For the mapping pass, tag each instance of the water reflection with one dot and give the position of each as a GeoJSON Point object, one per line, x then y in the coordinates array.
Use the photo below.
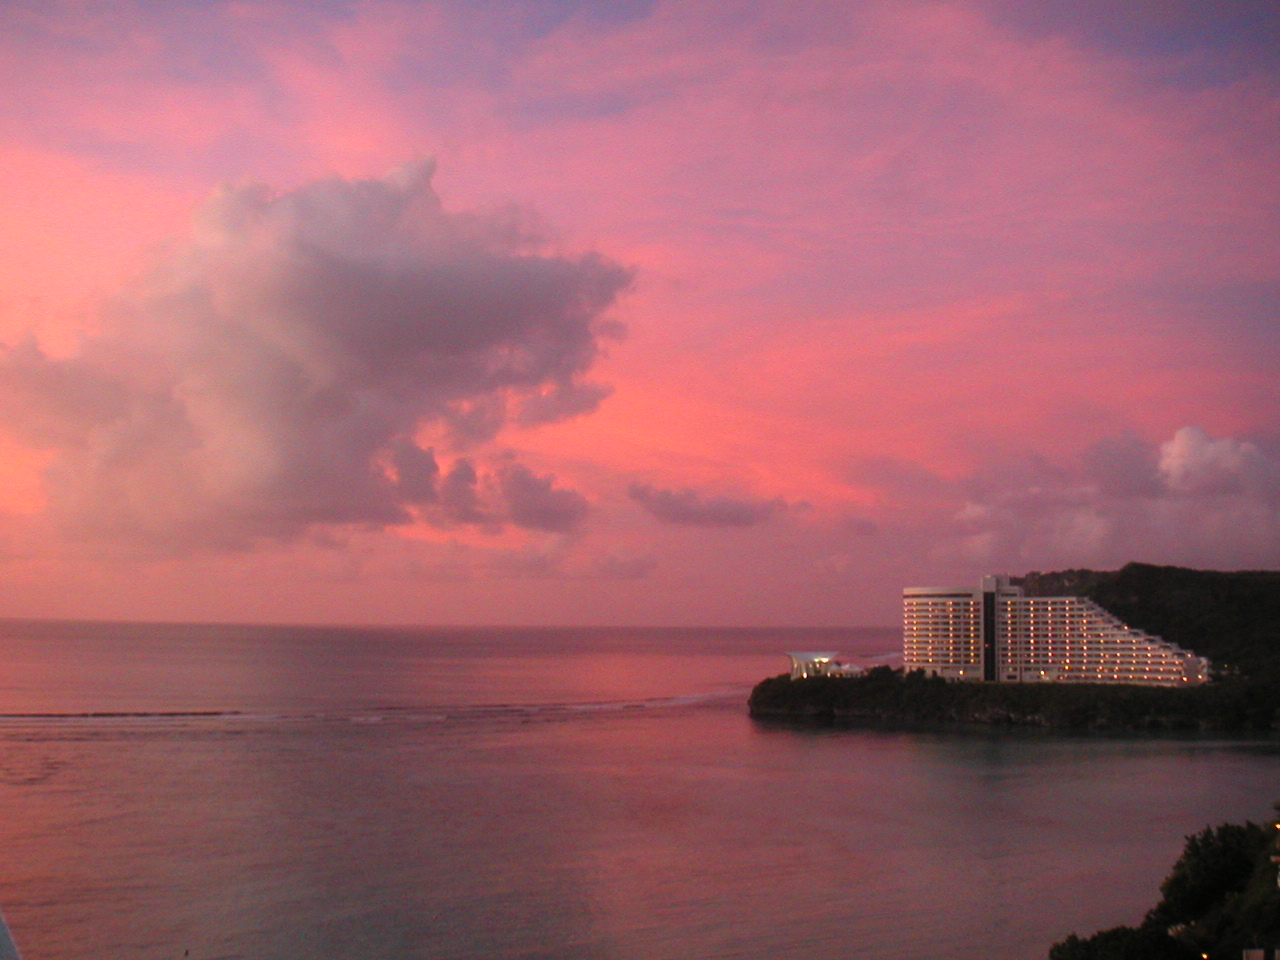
{"type": "Point", "coordinates": [351, 826]}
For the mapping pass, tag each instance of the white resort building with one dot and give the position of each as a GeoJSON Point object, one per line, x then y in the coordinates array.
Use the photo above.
{"type": "Point", "coordinates": [820, 664]}
{"type": "Point", "coordinates": [996, 633]}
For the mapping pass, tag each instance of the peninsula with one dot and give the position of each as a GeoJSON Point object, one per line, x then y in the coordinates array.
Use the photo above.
{"type": "Point", "coordinates": [1232, 619]}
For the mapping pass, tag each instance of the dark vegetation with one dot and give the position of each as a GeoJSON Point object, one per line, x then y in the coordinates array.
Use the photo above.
{"type": "Point", "coordinates": [1232, 618]}
{"type": "Point", "coordinates": [884, 696]}
{"type": "Point", "coordinates": [1220, 899]}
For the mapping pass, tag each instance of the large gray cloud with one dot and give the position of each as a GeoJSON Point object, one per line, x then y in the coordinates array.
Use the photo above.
{"type": "Point", "coordinates": [1192, 499]}
{"type": "Point", "coordinates": [691, 508]}
{"type": "Point", "coordinates": [272, 373]}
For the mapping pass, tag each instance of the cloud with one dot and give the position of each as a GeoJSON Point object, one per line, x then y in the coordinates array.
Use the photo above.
{"type": "Point", "coordinates": [857, 526]}
{"type": "Point", "coordinates": [1123, 466]}
{"type": "Point", "coordinates": [902, 477]}
{"type": "Point", "coordinates": [1192, 499]}
{"type": "Point", "coordinates": [460, 497]}
{"type": "Point", "coordinates": [690, 508]}
{"type": "Point", "coordinates": [274, 372]}
{"type": "Point", "coordinates": [50, 403]}
{"type": "Point", "coordinates": [416, 472]}
{"type": "Point", "coordinates": [1194, 463]}
{"type": "Point", "coordinates": [621, 565]}
{"type": "Point", "coordinates": [536, 503]}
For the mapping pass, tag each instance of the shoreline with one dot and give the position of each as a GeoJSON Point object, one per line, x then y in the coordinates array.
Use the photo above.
{"type": "Point", "coordinates": [1025, 731]}
{"type": "Point", "coordinates": [887, 699]}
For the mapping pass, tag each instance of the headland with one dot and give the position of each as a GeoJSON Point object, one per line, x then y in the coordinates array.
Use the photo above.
{"type": "Point", "coordinates": [889, 698]}
{"type": "Point", "coordinates": [1232, 618]}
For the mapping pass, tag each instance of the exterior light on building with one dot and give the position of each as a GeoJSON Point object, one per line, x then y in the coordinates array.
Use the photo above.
{"type": "Point", "coordinates": [1025, 637]}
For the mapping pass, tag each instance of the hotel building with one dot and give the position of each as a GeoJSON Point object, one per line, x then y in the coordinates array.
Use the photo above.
{"type": "Point", "coordinates": [996, 633]}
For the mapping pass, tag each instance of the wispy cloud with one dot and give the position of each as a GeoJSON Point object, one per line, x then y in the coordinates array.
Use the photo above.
{"type": "Point", "coordinates": [689, 508]}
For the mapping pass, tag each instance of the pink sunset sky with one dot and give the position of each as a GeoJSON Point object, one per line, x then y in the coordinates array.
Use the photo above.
{"type": "Point", "coordinates": [571, 312]}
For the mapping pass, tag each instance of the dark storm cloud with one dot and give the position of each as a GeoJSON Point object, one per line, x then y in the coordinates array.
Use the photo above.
{"type": "Point", "coordinates": [690, 508]}
{"type": "Point", "coordinates": [272, 373]}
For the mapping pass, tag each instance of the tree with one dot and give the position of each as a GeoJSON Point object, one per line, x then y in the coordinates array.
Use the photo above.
{"type": "Point", "coordinates": [1215, 863]}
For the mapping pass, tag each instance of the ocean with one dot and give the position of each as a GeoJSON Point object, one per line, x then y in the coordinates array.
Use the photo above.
{"type": "Point", "coordinates": [219, 792]}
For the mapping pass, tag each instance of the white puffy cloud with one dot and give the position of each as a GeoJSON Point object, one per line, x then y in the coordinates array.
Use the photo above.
{"type": "Point", "coordinates": [1192, 462]}
{"type": "Point", "coordinates": [274, 371]}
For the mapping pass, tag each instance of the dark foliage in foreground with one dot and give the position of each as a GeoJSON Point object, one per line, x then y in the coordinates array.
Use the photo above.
{"type": "Point", "coordinates": [1220, 898]}
{"type": "Point", "coordinates": [1123, 943]}
{"type": "Point", "coordinates": [886, 696]}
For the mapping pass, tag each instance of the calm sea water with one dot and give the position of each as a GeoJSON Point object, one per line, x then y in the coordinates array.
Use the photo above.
{"type": "Point", "coordinates": [275, 793]}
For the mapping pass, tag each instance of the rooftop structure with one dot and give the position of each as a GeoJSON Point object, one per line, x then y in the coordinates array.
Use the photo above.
{"type": "Point", "coordinates": [996, 633]}
{"type": "Point", "coordinates": [821, 664]}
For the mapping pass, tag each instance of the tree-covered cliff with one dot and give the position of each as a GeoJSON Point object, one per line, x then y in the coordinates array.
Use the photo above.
{"type": "Point", "coordinates": [888, 697]}
{"type": "Point", "coordinates": [1233, 618]}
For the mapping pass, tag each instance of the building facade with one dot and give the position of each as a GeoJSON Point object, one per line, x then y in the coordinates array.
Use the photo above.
{"type": "Point", "coordinates": [821, 664]}
{"type": "Point", "coordinates": [996, 633]}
